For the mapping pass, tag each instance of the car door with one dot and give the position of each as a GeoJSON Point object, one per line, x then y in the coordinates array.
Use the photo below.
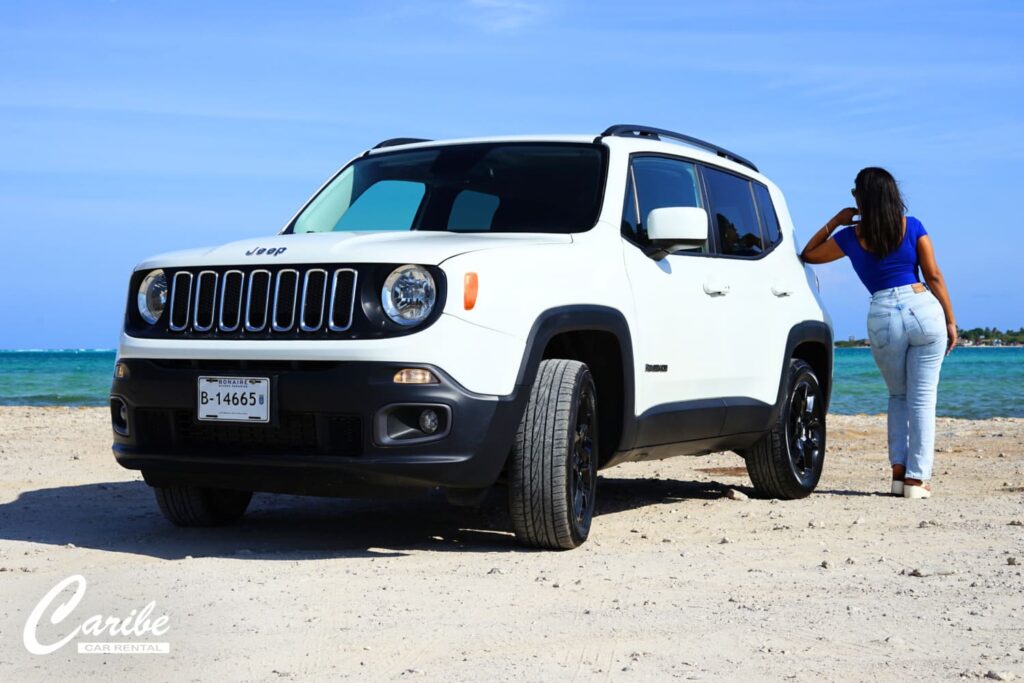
{"type": "Point", "coordinates": [785, 284]}
{"type": "Point", "coordinates": [680, 312]}
{"type": "Point", "coordinates": [751, 305]}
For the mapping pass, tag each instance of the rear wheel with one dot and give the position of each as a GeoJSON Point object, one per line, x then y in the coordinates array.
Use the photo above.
{"type": "Point", "coordinates": [552, 478]}
{"type": "Point", "coordinates": [200, 506]}
{"type": "Point", "coordinates": [787, 462]}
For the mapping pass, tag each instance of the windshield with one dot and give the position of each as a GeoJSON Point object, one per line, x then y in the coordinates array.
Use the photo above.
{"type": "Point", "coordinates": [496, 187]}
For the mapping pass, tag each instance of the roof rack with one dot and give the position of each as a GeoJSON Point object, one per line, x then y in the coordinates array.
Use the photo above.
{"type": "Point", "coordinates": [394, 142]}
{"type": "Point", "coordinates": [626, 130]}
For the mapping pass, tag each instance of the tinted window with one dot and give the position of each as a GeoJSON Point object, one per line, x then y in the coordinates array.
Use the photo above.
{"type": "Point", "coordinates": [387, 205]}
{"type": "Point", "coordinates": [733, 214]}
{"type": "Point", "coordinates": [769, 219]}
{"type": "Point", "coordinates": [472, 211]}
{"type": "Point", "coordinates": [662, 182]}
{"type": "Point", "coordinates": [501, 187]}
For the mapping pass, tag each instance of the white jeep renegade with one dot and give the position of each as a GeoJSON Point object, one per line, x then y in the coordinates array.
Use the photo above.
{"type": "Point", "coordinates": [455, 314]}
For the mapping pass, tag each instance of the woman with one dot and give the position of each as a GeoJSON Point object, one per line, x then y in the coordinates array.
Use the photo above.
{"type": "Point", "coordinates": [911, 327]}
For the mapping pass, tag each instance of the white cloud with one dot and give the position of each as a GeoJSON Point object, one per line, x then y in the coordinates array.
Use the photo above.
{"type": "Point", "coordinates": [501, 16]}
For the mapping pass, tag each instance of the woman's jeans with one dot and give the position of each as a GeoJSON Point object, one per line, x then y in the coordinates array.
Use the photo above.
{"type": "Point", "coordinates": [908, 340]}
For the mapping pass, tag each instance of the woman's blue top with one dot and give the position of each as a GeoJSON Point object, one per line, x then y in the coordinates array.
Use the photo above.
{"type": "Point", "coordinates": [894, 270]}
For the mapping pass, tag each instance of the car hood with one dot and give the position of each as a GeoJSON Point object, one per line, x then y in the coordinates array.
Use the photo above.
{"type": "Point", "coordinates": [427, 248]}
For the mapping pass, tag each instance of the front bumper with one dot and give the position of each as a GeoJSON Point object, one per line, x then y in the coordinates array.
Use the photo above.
{"type": "Point", "coordinates": [323, 436]}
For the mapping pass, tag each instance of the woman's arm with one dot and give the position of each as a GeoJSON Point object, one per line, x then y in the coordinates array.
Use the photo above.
{"type": "Point", "coordinates": [937, 283]}
{"type": "Point", "coordinates": [821, 249]}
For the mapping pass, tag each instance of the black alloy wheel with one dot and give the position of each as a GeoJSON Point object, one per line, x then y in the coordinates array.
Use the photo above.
{"type": "Point", "coordinates": [805, 432]}
{"type": "Point", "coordinates": [583, 479]}
{"type": "Point", "coordinates": [787, 462]}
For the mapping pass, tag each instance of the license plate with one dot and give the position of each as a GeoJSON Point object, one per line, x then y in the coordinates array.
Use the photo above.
{"type": "Point", "coordinates": [234, 399]}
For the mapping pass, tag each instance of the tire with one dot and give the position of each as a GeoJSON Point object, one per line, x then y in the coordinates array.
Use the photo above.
{"type": "Point", "coordinates": [199, 506]}
{"type": "Point", "coordinates": [552, 473]}
{"type": "Point", "coordinates": [787, 462]}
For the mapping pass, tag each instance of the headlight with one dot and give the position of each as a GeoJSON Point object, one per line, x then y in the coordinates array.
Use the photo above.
{"type": "Point", "coordinates": [153, 296]}
{"type": "Point", "coordinates": [409, 295]}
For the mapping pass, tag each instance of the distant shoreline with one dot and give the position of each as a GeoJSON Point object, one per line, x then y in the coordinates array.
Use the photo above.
{"type": "Point", "coordinates": [58, 350]}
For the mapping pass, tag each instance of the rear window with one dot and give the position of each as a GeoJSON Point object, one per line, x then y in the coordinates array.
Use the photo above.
{"type": "Point", "coordinates": [769, 219]}
{"type": "Point", "coordinates": [733, 214]}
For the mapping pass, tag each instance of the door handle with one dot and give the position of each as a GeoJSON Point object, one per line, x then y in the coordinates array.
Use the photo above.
{"type": "Point", "coordinates": [780, 292]}
{"type": "Point", "coordinates": [716, 289]}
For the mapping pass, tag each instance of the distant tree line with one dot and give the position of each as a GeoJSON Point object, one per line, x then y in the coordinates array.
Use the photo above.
{"type": "Point", "coordinates": [990, 334]}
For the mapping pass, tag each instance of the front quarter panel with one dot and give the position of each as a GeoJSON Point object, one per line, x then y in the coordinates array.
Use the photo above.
{"type": "Point", "coordinates": [516, 285]}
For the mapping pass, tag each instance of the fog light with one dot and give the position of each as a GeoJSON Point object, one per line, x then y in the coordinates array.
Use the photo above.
{"type": "Point", "coordinates": [402, 424]}
{"type": "Point", "coordinates": [415, 376]}
{"type": "Point", "coordinates": [429, 421]}
{"type": "Point", "coordinates": [121, 371]}
{"type": "Point", "coordinates": [119, 416]}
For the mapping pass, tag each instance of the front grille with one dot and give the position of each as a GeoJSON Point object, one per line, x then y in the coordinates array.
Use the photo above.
{"type": "Point", "coordinates": [314, 289]}
{"type": "Point", "coordinates": [206, 298]}
{"type": "Point", "coordinates": [343, 299]}
{"type": "Point", "coordinates": [153, 427]}
{"type": "Point", "coordinates": [258, 302]}
{"type": "Point", "coordinates": [181, 296]}
{"type": "Point", "coordinates": [257, 305]}
{"type": "Point", "coordinates": [229, 365]}
{"type": "Point", "coordinates": [231, 300]}
{"type": "Point", "coordinates": [285, 290]}
{"type": "Point", "coordinates": [292, 433]}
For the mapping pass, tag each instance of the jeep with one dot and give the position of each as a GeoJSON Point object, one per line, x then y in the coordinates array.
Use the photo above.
{"type": "Point", "coordinates": [458, 314]}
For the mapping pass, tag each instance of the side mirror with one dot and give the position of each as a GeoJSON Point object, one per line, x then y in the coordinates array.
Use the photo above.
{"type": "Point", "coordinates": [681, 227]}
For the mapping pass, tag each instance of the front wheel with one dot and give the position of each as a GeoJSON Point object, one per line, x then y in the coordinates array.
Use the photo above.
{"type": "Point", "coordinates": [552, 473]}
{"type": "Point", "coordinates": [200, 506]}
{"type": "Point", "coordinates": [787, 462]}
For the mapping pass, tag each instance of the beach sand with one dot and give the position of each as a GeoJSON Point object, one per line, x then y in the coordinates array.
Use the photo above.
{"type": "Point", "coordinates": [677, 580]}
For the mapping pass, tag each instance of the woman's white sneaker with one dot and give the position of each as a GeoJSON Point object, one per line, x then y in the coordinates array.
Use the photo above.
{"type": "Point", "coordinates": [897, 487]}
{"type": "Point", "coordinates": [916, 492]}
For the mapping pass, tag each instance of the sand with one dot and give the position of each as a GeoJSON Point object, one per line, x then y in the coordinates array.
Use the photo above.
{"type": "Point", "coordinates": [678, 580]}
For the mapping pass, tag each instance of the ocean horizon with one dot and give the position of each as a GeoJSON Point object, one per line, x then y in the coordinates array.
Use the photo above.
{"type": "Point", "coordinates": [976, 383]}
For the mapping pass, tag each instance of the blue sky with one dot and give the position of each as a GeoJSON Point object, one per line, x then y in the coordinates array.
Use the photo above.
{"type": "Point", "coordinates": [131, 128]}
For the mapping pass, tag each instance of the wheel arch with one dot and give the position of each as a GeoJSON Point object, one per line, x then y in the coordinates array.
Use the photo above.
{"type": "Point", "coordinates": [598, 336]}
{"type": "Point", "coordinates": [810, 341]}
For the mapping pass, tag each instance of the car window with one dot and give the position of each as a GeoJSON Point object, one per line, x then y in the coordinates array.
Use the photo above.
{"type": "Point", "coordinates": [769, 219]}
{"type": "Point", "coordinates": [385, 205]}
{"type": "Point", "coordinates": [500, 187]}
{"type": "Point", "coordinates": [662, 182]}
{"type": "Point", "coordinates": [733, 214]}
{"type": "Point", "coordinates": [472, 211]}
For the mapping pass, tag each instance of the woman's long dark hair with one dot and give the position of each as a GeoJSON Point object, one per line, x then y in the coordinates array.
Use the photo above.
{"type": "Point", "coordinates": [881, 210]}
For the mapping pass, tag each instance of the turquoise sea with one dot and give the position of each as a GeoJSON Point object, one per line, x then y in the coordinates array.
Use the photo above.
{"type": "Point", "coordinates": [976, 383]}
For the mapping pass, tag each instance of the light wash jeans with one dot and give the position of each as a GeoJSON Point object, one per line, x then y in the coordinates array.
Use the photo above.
{"type": "Point", "coordinates": [908, 340]}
